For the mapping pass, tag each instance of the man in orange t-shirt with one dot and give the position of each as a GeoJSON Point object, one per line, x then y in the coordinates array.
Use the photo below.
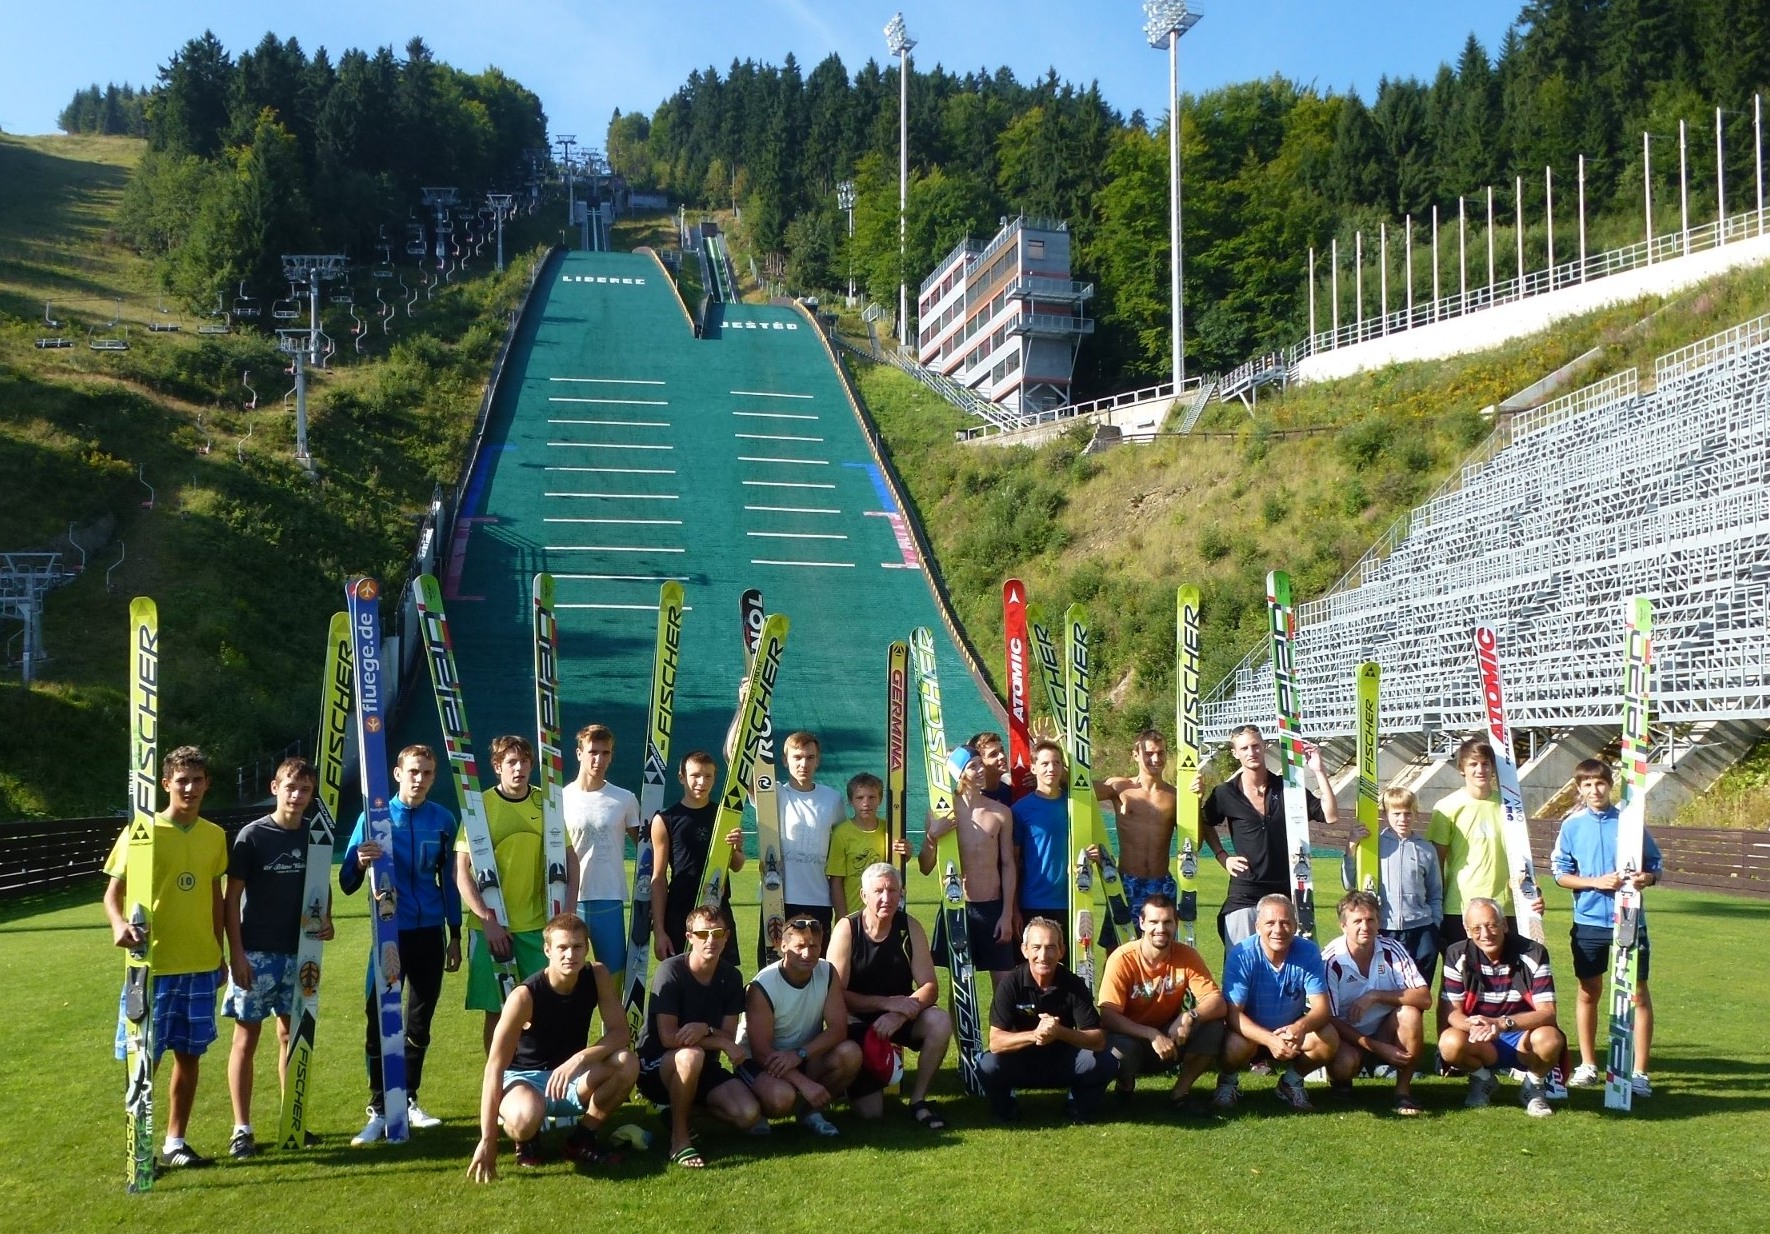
{"type": "Point", "coordinates": [1160, 1006]}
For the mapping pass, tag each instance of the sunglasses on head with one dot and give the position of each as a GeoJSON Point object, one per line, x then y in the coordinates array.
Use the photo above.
{"type": "Point", "coordinates": [705, 935]}
{"type": "Point", "coordinates": [807, 923]}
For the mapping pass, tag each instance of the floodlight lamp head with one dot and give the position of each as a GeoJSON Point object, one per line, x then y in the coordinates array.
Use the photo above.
{"type": "Point", "coordinates": [845, 195]}
{"type": "Point", "coordinates": [1167, 17]}
{"type": "Point", "coordinates": [897, 37]}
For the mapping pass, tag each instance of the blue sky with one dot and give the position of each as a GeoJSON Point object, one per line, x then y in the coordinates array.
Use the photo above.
{"type": "Point", "coordinates": [585, 59]}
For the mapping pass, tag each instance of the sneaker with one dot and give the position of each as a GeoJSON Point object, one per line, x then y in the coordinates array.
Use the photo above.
{"type": "Point", "coordinates": [815, 1122]}
{"type": "Point", "coordinates": [528, 1153]}
{"type": "Point", "coordinates": [760, 1127]}
{"type": "Point", "coordinates": [1290, 1091]}
{"type": "Point", "coordinates": [1227, 1094]}
{"type": "Point", "coordinates": [1531, 1097]}
{"type": "Point", "coordinates": [417, 1118]}
{"type": "Point", "coordinates": [1584, 1076]}
{"type": "Point", "coordinates": [1640, 1085]}
{"type": "Point", "coordinates": [1481, 1089]}
{"type": "Point", "coordinates": [184, 1157]}
{"type": "Point", "coordinates": [374, 1129]}
{"type": "Point", "coordinates": [243, 1145]}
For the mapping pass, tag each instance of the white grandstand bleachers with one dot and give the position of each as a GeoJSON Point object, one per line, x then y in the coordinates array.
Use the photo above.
{"type": "Point", "coordinates": [1572, 507]}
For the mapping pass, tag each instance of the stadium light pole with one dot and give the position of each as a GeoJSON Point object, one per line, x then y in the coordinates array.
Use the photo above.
{"type": "Point", "coordinates": [898, 39]}
{"type": "Point", "coordinates": [1164, 22]}
{"type": "Point", "coordinates": [845, 201]}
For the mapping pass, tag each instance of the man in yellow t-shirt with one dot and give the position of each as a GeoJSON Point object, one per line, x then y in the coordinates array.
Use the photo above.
{"type": "Point", "coordinates": [1466, 829]}
{"type": "Point", "coordinates": [184, 943]}
{"type": "Point", "coordinates": [857, 843]}
{"type": "Point", "coordinates": [513, 814]}
{"type": "Point", "coordinates": [1160, 1005]}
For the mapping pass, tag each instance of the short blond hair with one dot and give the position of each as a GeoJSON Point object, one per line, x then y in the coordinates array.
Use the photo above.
{"type": "Point", "coordinates": [1395, 797]}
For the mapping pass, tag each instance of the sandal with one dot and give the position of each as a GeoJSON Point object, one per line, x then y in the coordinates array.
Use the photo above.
{"type": "Point", "coordinates": [1406, 1106]}
{"type": "Point", "coordinates": [689, 1158]}
{"type": "Point", "coordinates": [927, 1117]}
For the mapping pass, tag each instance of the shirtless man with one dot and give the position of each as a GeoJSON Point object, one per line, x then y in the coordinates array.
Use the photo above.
{"type": "Point", "coordinates": [1146, 805]}
{"type": "Point", "coordinates": [998, 784]}
{"type": "Point", "coordinates": [987, 869]}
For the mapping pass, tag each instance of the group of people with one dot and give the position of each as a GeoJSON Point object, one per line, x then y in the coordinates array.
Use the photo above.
{"type": "Point", "coordinates": [855, 985]}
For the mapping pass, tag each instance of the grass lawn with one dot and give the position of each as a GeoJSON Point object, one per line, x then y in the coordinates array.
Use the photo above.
{"type": "Point", "coordinates": [1694, 1153]}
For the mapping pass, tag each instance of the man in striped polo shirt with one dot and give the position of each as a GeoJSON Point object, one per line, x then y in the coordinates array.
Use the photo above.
{"type": "Point", "coordinates": [1499, 999]}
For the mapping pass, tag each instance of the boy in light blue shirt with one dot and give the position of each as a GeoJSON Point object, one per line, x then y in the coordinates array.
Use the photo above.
{"type": "Point", "coordinates": [1412, 884]}
{"type": "Point", "coordinates": [1584, 861]}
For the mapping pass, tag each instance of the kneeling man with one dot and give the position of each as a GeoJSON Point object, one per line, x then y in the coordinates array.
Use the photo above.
{"type": "Point", "coordinates": [1160, 1005]}
{"type": "Point", "coordinates": [796, 1029]}
{"type": "Point", "coordinates": [541, 1065]}
{"type": "Point", "coordinates": [1500, 998]}
{"type": "Point", "coordinates": [1379, 999]}
{"type": "Point", "coordinates": [1278, 1005]}
{"type": "Point", "coordinates": [1044, 1032]}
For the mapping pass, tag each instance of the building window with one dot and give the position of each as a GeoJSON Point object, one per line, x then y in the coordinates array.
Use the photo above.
{"type": "Point", "coordinates": [1035, 249]}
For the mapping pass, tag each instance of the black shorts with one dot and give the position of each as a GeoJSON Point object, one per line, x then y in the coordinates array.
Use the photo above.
{"type": "Point", "coordinates": [857, 1031]}
{"type": "Point", "coordinates": [987, 955]}
{"type": "Point", "coordinates": [1591, 952]}
{"type": "Point", "coordinates": [713, 1074]}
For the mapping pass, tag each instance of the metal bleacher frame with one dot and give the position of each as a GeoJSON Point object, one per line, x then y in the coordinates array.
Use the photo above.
{"type": "Point", "coordinates": [1570, 507]}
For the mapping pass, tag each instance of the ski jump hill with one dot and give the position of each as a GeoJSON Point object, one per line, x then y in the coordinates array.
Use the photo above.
{"type": "Point", "coordinates": [623, 451]}
{"type": "Point", "coordinates": [1635, 485]}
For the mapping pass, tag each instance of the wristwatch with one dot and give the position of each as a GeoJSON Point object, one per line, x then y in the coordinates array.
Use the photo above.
{"type": "Point", "coordinates": [802, 1053]}
{"type": "Point", "coordinates": [1509, 1024]}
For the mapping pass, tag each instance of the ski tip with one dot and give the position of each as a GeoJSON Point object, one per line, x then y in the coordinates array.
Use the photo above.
{"type": "Point", "coordinates": [1013, 592]}
{"type": "Point", "coordinates": [362, 588]}
{"type": "Point", "coordinates": [1187, 597]}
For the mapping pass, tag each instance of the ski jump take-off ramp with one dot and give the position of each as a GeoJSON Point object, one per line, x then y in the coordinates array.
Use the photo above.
{"type": "Point", "coordinates": [623, 451]}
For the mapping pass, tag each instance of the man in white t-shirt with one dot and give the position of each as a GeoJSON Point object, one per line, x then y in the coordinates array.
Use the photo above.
{"type": "Point", "coordinates": [809, 813]}
{"type": "Point", "coordinates": [796, 1029]}
{"type": "Point", "coordinates": [1379, 1001]}
{"type": "Point", "coordinates": [599, 817]}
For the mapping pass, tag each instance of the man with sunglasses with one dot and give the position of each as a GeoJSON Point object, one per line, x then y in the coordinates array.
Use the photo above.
{"type": "Point", "coordinates": [1251, 805]}
{"type": "Point", "coordinates": [691, 1020]}
{"type": "Point", "coordinates": [796, 1030]}
{"type": "Point", "coordinates": [881, 957]}
{"type": "Point", "coordinates": [1499, 999]}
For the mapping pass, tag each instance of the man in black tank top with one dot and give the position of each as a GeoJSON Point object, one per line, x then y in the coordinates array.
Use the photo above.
{"type": "Point", "coordinates": [540, 1064]}
{"type": "Point", "coordinates": [684, 833]}
{"type": "Point", "coordinates": [881, 953]}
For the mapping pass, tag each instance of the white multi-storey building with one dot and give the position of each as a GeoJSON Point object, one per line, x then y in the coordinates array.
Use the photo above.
{"type": "Point", "coordinates": [1005, 318]}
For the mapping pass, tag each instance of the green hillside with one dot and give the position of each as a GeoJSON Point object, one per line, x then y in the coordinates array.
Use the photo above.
{"type": "Point", "coordinates": [242, 549]}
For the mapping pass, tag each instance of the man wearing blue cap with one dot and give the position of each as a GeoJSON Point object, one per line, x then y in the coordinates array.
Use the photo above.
{"type": "Point", "coordinates": [986, 865]}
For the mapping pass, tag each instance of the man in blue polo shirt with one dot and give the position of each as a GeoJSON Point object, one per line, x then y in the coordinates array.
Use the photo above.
{"type": "Point", "coordinates": [1279, 1009]}
{"type": "Point", "coordinates": [1584, 862]}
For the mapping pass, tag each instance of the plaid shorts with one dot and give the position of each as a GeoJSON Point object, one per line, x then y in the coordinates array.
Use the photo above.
{"type": "Point", "coordinates": [272, 991]}
{"type": "Point", "coordinates": [184, 1015]}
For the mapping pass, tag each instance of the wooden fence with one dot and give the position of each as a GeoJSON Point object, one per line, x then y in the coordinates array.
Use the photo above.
{"type": "Point", "coordinates": [38, 855]}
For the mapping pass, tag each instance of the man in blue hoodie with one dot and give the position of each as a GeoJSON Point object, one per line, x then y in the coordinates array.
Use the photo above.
{"type": "Point", "coordinates": [1584, 861]}
{"type": "Point", "coordinates": [427, 900]}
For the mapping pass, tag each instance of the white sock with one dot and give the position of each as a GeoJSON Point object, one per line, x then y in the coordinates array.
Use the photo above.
{"type": "Point", "coordinates": [173, 1144]}
{"type": "Point", "coordinates": [246, 1127]}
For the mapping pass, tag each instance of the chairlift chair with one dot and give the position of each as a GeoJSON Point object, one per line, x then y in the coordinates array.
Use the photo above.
{"type": "Point", "coordinates": [343, 296]}
{"type": "Point", "coordinates": [244, 305]}
{"type": "Point", "coordinates": [286, 310]}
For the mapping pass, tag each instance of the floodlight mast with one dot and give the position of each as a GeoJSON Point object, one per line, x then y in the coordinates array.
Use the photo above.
{"type": "Point", "coordinates": [898, 39]}
{"type": "Point", "coordinates": [1165, 21]}
{"type": "Point", "coordinates": [845, 201]}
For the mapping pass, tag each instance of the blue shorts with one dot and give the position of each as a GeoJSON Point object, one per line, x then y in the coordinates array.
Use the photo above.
{"type": "Point", "coordinates": [272, 992]}
{"type": "Point", "coordinates": [1506, 1046]}
{"type": "Point", "coordinates": [1137, 890]}
{"type": "Point", "coordinates": [184, 1015]}
{"type": "Point", "coordinates": [606, 920]}
{"type": "Point", "coordinates": [567, 1107]}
